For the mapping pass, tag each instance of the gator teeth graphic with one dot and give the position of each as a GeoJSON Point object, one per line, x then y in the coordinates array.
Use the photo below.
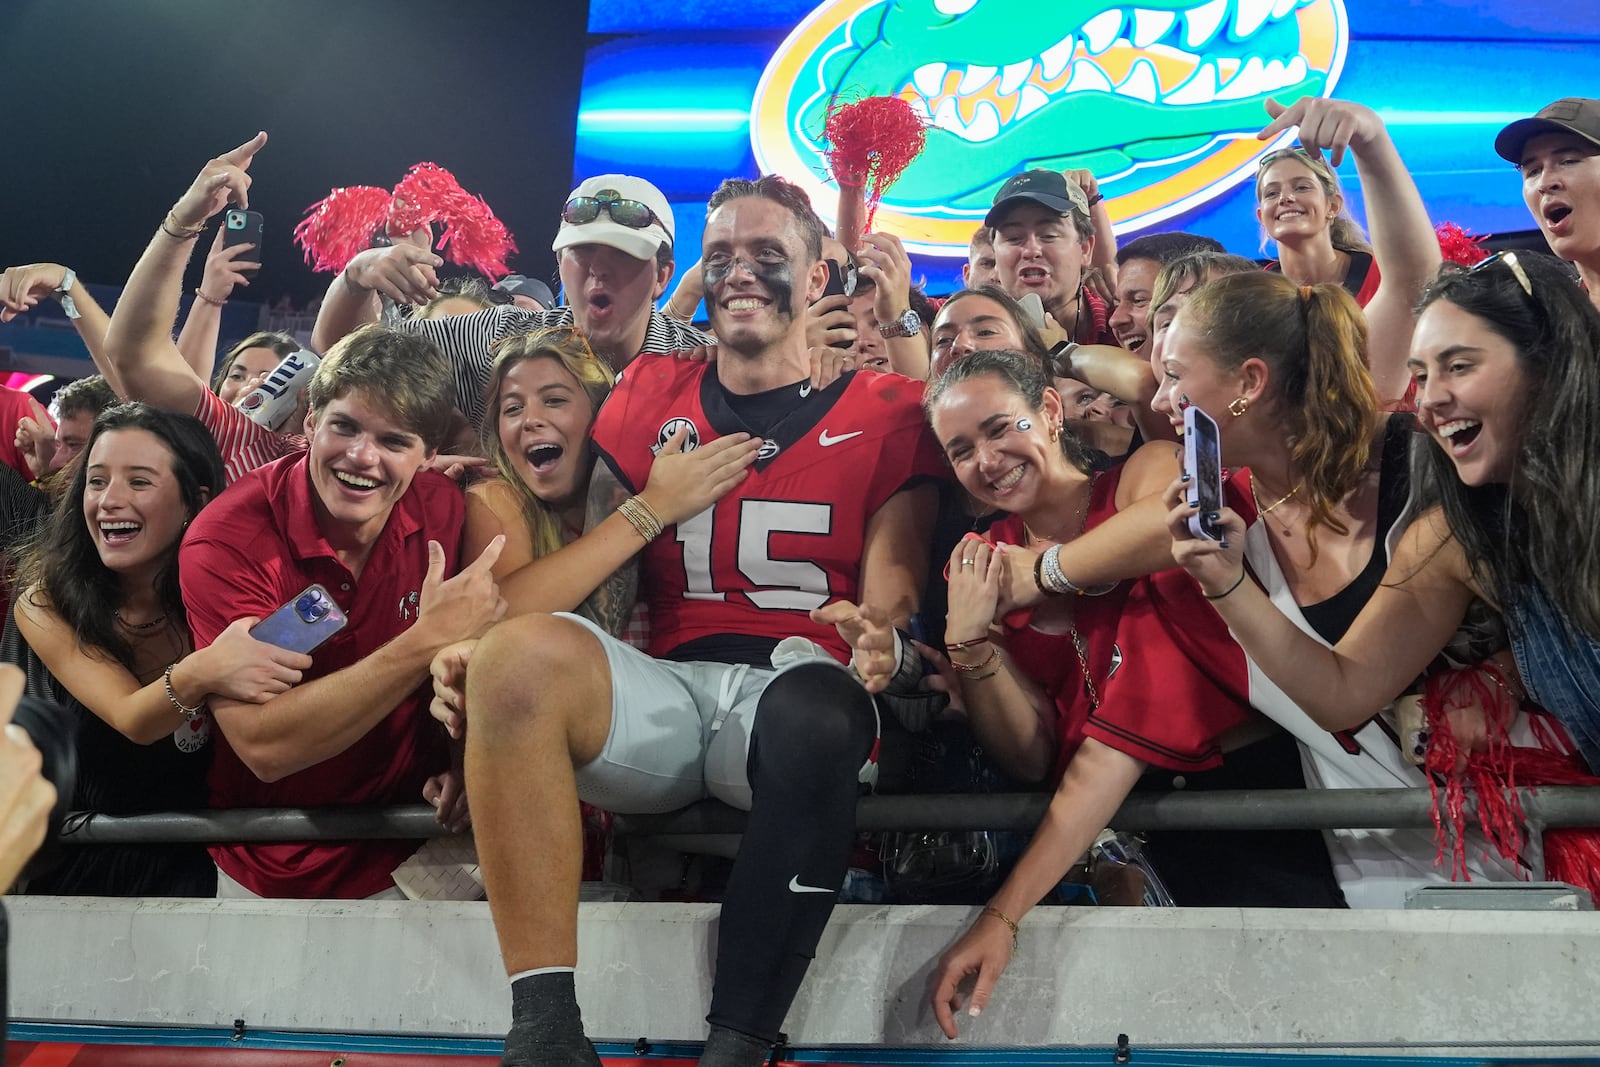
{"type": "Point", "coordinates": [1130, 52]}
{"type": "Point", "coordinates": [1201, 24]}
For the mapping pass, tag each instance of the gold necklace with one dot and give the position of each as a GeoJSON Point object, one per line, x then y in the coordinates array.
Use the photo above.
{"type": "Point", "coordinates": [1082, 516]}
{"type": "Point", "coordinates": [1265, 511]}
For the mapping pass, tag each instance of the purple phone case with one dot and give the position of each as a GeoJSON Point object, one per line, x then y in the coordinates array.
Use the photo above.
{"type": "Point", "coordinates": [286, 629]}
{"type": "Point", "coordinates": [1202, 462]}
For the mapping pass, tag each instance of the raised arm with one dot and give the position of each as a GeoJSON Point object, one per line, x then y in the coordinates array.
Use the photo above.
{"type": "Point", "coordinates": [883, 259]}
{"type": "Point", "coordinates": [404, 272]}
{"type": "Point", "coordinates": [143, 362]}
{"type": "Point", "coordinates": [23, 287]}
{"type": "Point", "coordinates": [1104, 256]}
{"type": "Point", "coordinates": [1403, 242]}
{"type": "Point", "coordinates": [1416, 609]}
{"type": "Point", "coordinates": [225, 269]}
{"type": "Point", "coordinates": [687, 296]}
{"type": "Point", "coordinates": [682, 484]}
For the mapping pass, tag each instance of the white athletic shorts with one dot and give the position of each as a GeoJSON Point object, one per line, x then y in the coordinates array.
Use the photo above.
{"type": "Point", "coordinates": [681, 731]}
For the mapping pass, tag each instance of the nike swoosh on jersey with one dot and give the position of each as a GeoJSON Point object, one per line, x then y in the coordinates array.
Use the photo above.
{"type": "Point", "coordinates": [825, 440]}
{"type": "Point", "coordinates": [796, 887]}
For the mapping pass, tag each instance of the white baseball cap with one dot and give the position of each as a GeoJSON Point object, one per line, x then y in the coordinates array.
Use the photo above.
{"type": "Point", "coordinates": [600, 200]}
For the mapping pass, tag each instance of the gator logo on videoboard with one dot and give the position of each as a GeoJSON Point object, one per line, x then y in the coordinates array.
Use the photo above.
{"type": "Point", "coordinates": [1161, 101]}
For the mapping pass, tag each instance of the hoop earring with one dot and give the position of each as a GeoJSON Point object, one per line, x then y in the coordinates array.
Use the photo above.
{"type": "Point", "coordinates": [1238, 406]}
{"type": "Point", "coordinates": [1055, 432]}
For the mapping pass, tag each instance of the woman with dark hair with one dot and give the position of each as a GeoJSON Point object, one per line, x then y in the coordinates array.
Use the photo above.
{"type": "Point", "coordinates": [99, 628]}
{"type": "Point", "coordinates": [1281, 369]}
{"type": "Point", "coordinates": [1302, 210]}
{"type": "Point", "coordinates": [246, 364]}
{"type": "Point", "coordinates": [988, 318]}
{"type": "Point", "coordinates": [1507, 362]}
{"type": "Point", "coordinates": [1085, 691]}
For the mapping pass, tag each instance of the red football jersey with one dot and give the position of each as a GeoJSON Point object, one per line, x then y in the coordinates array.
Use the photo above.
{"type": "Point", "coordinates": [788, 538]}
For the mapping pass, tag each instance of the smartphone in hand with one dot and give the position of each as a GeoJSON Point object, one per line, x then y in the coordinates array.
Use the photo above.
{"type": "Point", "coordinates": [306, 621]}
{"type": "Point", "coordinates": [243, 227]}
{"type": "Point", "coordinates": [1033, 307]}
{"type": "Point", "coordinates": [1202, 462]}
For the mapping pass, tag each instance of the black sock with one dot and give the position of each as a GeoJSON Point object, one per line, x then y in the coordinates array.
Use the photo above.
{"type": "Point", "coordinates": [814, 727]}
{"type": "Point", "coordinates": [546, 1027]}
{"type": "Point", "coordinates": [730, 1048]}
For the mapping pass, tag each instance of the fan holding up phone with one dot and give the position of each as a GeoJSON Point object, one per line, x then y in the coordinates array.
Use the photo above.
{"type": "Point", "coordinates": [1202, 463]}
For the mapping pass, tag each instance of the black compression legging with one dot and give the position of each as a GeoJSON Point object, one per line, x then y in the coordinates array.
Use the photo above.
{"type": "Point", "coordinates": [814, 727]}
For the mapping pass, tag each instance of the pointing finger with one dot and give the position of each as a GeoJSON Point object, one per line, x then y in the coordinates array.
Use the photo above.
{"type": "Point", "coordinates": [241, 156]}
{"type": "Point", "coordinates": [490, 554]}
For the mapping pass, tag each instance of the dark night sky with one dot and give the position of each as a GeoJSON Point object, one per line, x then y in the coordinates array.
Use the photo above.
{"type": "Point", "coordinates": [115, 105]}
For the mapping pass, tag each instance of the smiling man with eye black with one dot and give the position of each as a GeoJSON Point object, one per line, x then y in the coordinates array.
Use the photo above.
{"type": "Point", "coordinates": [759, 608]}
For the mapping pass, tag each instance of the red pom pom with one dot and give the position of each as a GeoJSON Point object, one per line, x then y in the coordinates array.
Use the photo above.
{"type": "Point", "coordinates": [340, 225]}
{"type": "Point", "coordinates": [870, 144]}
{"type": "Point", "coordinates": [473, 236]}
{"type": "Point", "coordinates": [1459, 245]}
{"type": "Point", "coordinates": [1571, 855]}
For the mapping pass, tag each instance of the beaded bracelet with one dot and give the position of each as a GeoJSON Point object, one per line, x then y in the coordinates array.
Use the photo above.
{"type": "Point", "coordinates": [214, 303]}
{"type": "Point", "coordinates": [643, 518]}
{"type": "Point", "coordinates": [189, 714]}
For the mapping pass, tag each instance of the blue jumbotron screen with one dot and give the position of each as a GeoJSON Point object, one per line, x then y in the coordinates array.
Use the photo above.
{"type": "Point", "coordinates": [1160, 100]}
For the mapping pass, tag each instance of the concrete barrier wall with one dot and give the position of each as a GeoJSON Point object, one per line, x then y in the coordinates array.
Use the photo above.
{"type": "Point", "coordinates": [1516, 983]}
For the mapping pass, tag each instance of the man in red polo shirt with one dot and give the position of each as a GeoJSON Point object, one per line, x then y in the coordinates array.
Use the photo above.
{"type": "Point", "coordinates": [358, 516]}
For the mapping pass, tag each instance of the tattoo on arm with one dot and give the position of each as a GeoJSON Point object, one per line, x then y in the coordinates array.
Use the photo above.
{"type": "Point", "coordinates": [611, 604]}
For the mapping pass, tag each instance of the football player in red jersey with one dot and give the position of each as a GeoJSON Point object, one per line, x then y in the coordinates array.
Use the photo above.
{"type": "Point", "coordinates": [757, 604]}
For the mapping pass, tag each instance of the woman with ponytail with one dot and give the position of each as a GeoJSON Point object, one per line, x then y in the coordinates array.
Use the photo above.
{"type": "Point", "coordinates": [1320, 485]}
{"type": "Point", "coordinates": [1505, 358]}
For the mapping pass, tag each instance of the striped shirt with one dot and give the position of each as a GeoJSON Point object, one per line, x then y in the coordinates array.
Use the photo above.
{"type": "Point", "coordinates": [244, 443]}
{"type": "Point", "coordinates": [468, 340]}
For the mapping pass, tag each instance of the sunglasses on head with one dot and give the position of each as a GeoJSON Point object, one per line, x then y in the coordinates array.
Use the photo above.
{"type": "Point", "coordinates": [1510, 260]}
{"type": "Point", "coordinates": [1293, 152]}
{"type": "Point", "coordinates": [624, 212]}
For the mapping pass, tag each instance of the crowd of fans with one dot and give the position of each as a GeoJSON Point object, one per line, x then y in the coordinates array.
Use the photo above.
{"type": "Point", "coordinates": [628, 562]}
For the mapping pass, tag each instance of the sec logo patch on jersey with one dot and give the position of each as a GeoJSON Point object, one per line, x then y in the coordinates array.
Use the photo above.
{"type": "Point", "coordinates": [691, 440]}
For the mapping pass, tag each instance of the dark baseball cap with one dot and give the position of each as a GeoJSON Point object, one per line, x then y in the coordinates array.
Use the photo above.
{"type": "Point", "coordinates": [522, 285]}
{"type": "Point", "coordinates": [1574, 114]}
{"type": "Point", "coordinates": [1051, 188]}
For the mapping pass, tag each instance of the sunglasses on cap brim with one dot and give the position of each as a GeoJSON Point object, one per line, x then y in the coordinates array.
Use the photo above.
{"type": "Point", "coordinates": [630, 213]}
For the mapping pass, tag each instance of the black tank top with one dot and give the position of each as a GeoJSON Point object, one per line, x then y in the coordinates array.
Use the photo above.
{"type": "Point", "coordinates": [1333, 616]}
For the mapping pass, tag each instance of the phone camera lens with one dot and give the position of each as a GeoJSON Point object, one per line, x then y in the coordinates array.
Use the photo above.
{"type": "Point", "coordinates": [311, 607]}
{"type": "Point", "coordinates": [235, 220]}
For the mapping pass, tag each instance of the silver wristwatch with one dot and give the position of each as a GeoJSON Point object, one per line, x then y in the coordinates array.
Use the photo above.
{"type": "Point", "coordinates": [909, 324]}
